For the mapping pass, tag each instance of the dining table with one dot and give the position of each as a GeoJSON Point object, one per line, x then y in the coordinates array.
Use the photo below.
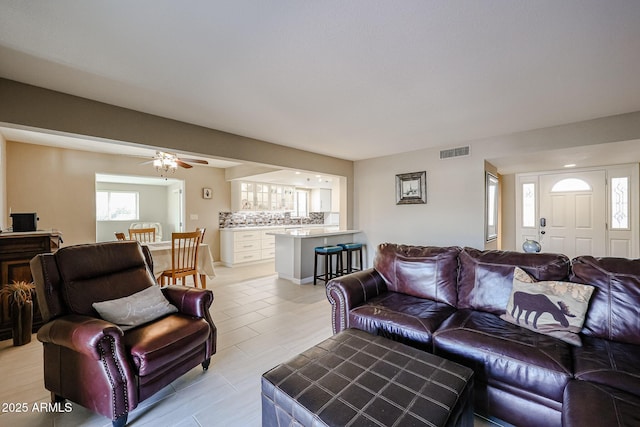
{"type": "Point", "coordinates": [161, 254]}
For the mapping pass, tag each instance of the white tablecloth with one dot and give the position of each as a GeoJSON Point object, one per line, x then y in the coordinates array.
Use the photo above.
{"type": "Point", "coordinates": [161, 254]}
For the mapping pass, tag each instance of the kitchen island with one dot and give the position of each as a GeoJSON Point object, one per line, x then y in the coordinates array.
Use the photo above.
{"type": "Point", "coordinates": [294, 250]}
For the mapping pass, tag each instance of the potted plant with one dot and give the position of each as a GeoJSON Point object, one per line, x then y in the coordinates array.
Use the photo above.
{"type": "Point", "coordinates": [19, 295]}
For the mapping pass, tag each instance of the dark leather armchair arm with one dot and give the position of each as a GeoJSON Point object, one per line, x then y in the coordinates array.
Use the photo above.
{"type": "Point", "coordinates": [194, 302]}
{"type": "Point", "coordinates": [190, 301]}
{"type": "Point", "coordinates": [81, 334]}
{"type": "Point", "coordinates": [349, 291]}
{"type": "Point", "coordinates": [94, 347]}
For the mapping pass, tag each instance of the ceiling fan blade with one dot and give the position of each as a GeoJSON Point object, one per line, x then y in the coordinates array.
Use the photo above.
{"type": "Point", "coordinates": [183, 164]}
{"type": "Point", "coordinates": [201, 162]}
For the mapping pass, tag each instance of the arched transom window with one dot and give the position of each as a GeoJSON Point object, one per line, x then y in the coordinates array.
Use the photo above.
{"type": "Point", "coordinates": [570, 184]}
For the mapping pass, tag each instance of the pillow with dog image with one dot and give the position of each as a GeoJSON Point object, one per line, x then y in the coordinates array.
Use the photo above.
{"type": "Point", "coordinates": [554, 308]}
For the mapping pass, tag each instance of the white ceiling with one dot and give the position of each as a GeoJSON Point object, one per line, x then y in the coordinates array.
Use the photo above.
{"type": "Point", "coordinates": [352, 79]}
{"type": "Point", "coordinates": [298, 179]}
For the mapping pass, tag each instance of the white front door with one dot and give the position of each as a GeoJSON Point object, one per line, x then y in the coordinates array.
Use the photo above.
{"type": "Point", "coordinates": [573, 213]}
{"type": "Point", "coordinates": [577, 219]}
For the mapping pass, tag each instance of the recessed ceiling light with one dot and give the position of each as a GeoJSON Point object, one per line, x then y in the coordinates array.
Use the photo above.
{"type": "Point", "coordinates": [570, 165]}
{"type": "Point", "coordinates": [297, 172]}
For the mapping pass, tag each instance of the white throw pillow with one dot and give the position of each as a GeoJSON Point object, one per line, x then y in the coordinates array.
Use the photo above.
{"type": "Point", "coordinates": [136, 309]}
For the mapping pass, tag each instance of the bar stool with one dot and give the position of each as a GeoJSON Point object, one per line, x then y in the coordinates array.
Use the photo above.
{"type": "Point", "coordinates": [327, 252]}
{"type": "Point", "coordinates": [350, 249]}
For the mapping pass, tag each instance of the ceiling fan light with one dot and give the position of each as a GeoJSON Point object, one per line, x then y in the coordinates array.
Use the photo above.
{"type": "Point", "coordinates": [165, 162]}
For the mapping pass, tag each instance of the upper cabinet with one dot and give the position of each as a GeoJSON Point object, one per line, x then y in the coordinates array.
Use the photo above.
{"type": "Point", "coordinates": [258, 196]}
{"type": "Point", "coordinates": [320, 200]}
{"type": "Point", "coordinates": [281, 197]}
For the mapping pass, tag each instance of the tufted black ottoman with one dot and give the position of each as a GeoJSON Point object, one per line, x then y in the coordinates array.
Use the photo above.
{"type": "Point", "coordinates": [355, 378]}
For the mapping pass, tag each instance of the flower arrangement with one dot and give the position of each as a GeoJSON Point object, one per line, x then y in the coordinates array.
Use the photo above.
{"type": "Point", "coordinates": [18, 292]}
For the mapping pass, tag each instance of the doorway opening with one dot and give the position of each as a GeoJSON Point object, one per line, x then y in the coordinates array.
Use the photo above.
{"type": "Point", "coordinates": [124, 200]}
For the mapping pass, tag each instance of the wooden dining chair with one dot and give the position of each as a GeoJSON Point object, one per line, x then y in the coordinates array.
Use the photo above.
{"type": "Point", "coordinates": [184, 257]}
{"type": "Point", "coordinates": [120, 236]}
{"type": "Point", "coordinates": [143, 235]}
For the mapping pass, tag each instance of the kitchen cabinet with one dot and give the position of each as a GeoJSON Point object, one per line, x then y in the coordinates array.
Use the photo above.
{"type": "Point", "coordinates": [321, 200]}
{"type": "Point", "coordinates": [246, 245]}
{"type": "Point", "coordinates": [281, 197]}
{"type": "Point", "coordinates": [258, 196]}
{"type": "Point", "coordinates": [268, 244]}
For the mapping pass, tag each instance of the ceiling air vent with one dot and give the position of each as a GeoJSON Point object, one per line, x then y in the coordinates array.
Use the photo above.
{"type": "Point", "coordinates": [454, 152]}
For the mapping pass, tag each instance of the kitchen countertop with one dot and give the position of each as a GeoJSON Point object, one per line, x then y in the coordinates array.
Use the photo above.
{"type": "Point", "coordinates": [275, 227]}
{"type": "Point", "coordinates": [304, 233]}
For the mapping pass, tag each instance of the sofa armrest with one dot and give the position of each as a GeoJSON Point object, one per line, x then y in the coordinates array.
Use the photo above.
{"type": "Point", "coordinates": [194, 302]}
{"type": "Point", "coordinates": [191, 301]}
{"type": "Point", "coordinates": [85, 361]}
{"type": "Point", "coordinates": [352, 290]}
{"type": "Point", "coordinates": [81, 334]}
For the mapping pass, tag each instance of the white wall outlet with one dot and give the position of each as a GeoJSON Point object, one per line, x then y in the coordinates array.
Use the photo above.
{"type": "Point", "coordinates": [193, 217]}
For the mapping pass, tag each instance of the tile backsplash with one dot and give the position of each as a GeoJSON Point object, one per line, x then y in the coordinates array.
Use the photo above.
{"type": "Point", "coordinates": [262, 219]}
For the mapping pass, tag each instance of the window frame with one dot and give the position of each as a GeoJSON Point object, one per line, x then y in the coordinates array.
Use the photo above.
{"type": "Point", "coordinates": [624, 204]}
{"type": "Point", "coordinates": [109, 207]}
{"type": "Point", "coordinates": [492, 195]}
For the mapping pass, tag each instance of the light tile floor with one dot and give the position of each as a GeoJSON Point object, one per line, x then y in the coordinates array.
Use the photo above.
{"type": "Point", "coordinates": [262, 321]}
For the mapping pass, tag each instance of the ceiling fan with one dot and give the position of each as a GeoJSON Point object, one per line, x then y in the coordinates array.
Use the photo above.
{"type": "Point", "coordinates": [168, 162]}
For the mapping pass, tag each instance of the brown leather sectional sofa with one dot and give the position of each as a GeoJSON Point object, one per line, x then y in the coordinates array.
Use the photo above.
{"type": "Point", "coordinates": [447, 300]}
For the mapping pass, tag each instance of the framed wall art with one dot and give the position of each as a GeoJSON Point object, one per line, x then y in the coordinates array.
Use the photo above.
{"type": "Point", "coordinates": [411, 188]}
{"type": "Point", "coordinates": [207, 193]}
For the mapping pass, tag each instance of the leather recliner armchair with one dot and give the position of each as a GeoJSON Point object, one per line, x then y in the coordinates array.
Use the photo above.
{"type": "Point", "coordinates": [95, 363]}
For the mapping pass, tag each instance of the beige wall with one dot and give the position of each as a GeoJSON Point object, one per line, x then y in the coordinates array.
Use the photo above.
{"type": "Point", "coordinates": [59, 185]}
{"type": "Point", "coordinates": [454, 213]}
{"type": "Point", "coordinates": [37, 108]}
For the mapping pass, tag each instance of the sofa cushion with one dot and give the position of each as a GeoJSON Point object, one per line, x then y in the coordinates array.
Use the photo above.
{"type": "Point", "coordinates": [590, 404]}
{"type": "Point", "coordinates": [550, 307]}
{"type": "Point", "coordinates": [608, 362]}
{"type": "Point", "coordinates": [137, 309]}
{"type": "Point", "coordinates": [101, 272]}
{"type": "Point", "coordinates": [161, 343]}
{"type": "Point", "coordinates": [506, 356]}
{"type": "Point", "coordinates": [401, 317]}
{"type": "Point", "coordinates": [486, 277]}
{"type": "Point", "coordinates": [421, 271]}
{"type": "Point", "coordinates": [614, 308]}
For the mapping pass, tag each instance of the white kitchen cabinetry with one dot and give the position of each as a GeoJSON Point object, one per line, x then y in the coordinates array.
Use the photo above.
{"type": "Point", "coordinates": [321, 200]}
{"type": "Point", "coordinates": [257, 196]}
{"type": "Point", "coordinates": [268, 244]}
{"type": "Point", "coordinates": [238, 246]}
